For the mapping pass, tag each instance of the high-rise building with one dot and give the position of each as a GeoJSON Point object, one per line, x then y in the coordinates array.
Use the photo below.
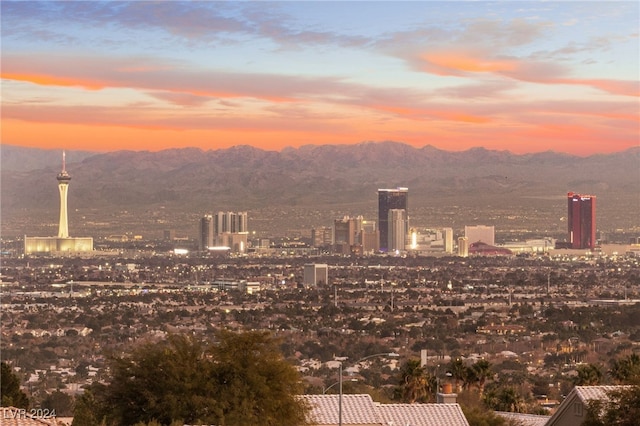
{"type": "Point", "coordinates": [369, 237]}
{"type": "Point", "coordinates": [231, 229]}
{"type": "Point", "coordinates": [321, 237]}
{"type": "Point", "coordinates": [206, 232]}
{"type": "Point", "coordinates": [397, 226]}
{"type": "Point", "coordinates": [581, 218]}
{"type": "Point", "coordinates": [234, 222]}
{"type": "Point", "coordinates": [63, 186]}
{"type": "Point", "coordinates": [62, 244]}
{"type": "Point", "coordinates": [169, 234]}
{"type": "Point", "coordinates": [241, 222]}
{"type": "Point", "coordinates": [389, 199]}
{"type": "Point", "coordinates": [448, 240]}
{"type": "Point", "coordinates": [480, 233]}
{"type": "Point", "coordinates": [463, 247]}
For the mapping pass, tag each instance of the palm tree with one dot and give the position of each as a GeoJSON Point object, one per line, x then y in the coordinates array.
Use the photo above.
{"type": "Point", "coordinates": [479, 373]}
{"type": "Point", "coordinates": [458, 372]}
{"type": "Point", "coordinates": [415, 382]}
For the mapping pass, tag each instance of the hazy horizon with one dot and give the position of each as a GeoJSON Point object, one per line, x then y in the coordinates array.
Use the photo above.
{"type": "Point", "coordinates": [205, 149]}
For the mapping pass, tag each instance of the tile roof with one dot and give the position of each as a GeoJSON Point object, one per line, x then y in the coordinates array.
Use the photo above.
{"type": "Point", "coordinates": [422, 415]}
{"type": "Point", "coordinates": [584, 394]}
{"type": "Point", "coordinates": [525, 419]}
{"type": "Point", "coordinates": [356, 409]}
{"type": "Point", "coordinates": [361, 410]}
{"type": "Point", "coordinates": [588, 393]}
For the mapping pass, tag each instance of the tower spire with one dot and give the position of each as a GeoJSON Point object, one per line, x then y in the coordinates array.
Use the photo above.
{"type": "Point", "coordinates": [63, 186]}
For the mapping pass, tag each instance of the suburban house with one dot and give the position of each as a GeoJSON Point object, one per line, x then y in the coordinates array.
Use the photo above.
{"type": "Point", "coordinates": [361, 410]}
{"type": "Point", "coordinates": [573, 410]}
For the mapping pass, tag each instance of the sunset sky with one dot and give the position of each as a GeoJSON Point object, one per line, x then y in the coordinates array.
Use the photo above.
{"type": "Point", "coordinates": [518, 76]}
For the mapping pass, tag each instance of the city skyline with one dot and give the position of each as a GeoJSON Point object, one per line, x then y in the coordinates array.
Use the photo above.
{"type": "Point", "coordinates": [517, 76]}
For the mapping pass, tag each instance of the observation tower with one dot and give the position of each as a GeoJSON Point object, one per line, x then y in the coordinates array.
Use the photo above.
{"type": "Point", "coordinates": [62, 245]}
{"type": "Point", "coordinates": [63, 186]}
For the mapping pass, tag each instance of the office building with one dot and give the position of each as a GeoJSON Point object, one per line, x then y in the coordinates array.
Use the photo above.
{"type": "Point", "coordinates": [391, 199]}
{"type": "Point", "coordinates": [315, 274]}
{"type": "Point", "coordinates": [62, 244]}
{"type": "Point", "coordinates": [581, 218]}
{"type": "Point", "coordinates": [480, 233]}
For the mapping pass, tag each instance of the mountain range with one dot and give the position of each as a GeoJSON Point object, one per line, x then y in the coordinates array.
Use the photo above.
{"type": "Point", "coordinates": [314, 176]}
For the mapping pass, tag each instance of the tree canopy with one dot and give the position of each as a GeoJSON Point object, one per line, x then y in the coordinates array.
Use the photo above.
{"type": "Point", "coordinates": [416, 384]}
{"type": "Point", "coordinates": [12, 396]}
{"type": "Point", "coordinates": [622, 409]}
{"type": "Point", "coordinates": [240, 379]}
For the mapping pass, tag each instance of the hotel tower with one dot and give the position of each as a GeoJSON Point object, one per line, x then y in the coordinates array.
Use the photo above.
{"type": "Point", "coordinates": [581, 218]}
{"type": "Point", "coordinates": [391, 199]}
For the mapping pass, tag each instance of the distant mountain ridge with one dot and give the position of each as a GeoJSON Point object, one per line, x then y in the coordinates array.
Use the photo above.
{"type": "Point", "coordinates": [245, 177]}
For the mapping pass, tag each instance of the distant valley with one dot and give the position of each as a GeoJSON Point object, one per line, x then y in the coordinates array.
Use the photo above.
{"type": "Point", "coordinates": [311, 185]}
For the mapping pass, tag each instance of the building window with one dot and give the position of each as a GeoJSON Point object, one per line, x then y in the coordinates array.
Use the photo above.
{"type": "Point", "coordinates": [577, 409]}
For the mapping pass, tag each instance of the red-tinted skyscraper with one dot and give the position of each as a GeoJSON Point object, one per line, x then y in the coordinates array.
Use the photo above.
{"type": "Point", "coordinates": [582, 220]}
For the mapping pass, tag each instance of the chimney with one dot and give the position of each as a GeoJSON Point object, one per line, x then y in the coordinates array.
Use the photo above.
{"type": "Point", "coordinates": [447, 396]}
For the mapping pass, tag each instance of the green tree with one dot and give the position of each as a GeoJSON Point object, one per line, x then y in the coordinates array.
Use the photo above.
{"type": "Point", "coordinates": [416, 385]}
{"type": "Point", "coordinates": [88, 409]}
{"type": "Point", "coordinates": [504, 399]}
{"type": "Point", "coordinates": [458, 372]}
{"type": "Point", "coordinates": [621, 409]}
{"type": "Point", "coordinates": [588, 375]}
{"type": "Point", "coordinates": [242, 379]}
{"type": "Point", "coordinates": [476, 411]}
{"type": "Point", "coordinates": [12, 396]}
{"type": "Point", "coordinates": [479, 373]}
{"type": "Point", "coordinates": [626, 370]}
{"type": "Point", "coordinates": [59, 402]}
{"type": "Point", "coordinates": [254, 382]}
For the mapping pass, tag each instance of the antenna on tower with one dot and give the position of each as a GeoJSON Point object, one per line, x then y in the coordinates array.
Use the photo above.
{"type": "Point", "coordinates": [64, 160]}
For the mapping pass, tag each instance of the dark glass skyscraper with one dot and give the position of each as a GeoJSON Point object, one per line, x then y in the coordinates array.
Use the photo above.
{"type": "Point", "coordinates": [390, 199]}
{"type": "Point", "coordinates": [206, 232]}
{"type": "Point", "coordinates": [581, 218]}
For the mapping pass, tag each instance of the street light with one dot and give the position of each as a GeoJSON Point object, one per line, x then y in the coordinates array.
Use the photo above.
{"type": "Point", "coordinates": [387, 354]}
{"type": "Point", "coordinates": [325, 390]}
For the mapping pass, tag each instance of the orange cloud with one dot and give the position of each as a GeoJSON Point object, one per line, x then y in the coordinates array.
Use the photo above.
{"type": "Point", "coordinates": [452, 63]}
{"type": "Point", "coordinates": [616, 87]}
{"type": "Point", "coordinates": [53, 80]}
{"type": "Point", "coordinates": [459, 63]}
{"type": "Point", "coordinates": [421, 113]}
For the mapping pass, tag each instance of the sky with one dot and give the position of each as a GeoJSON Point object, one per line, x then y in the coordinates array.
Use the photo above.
{"type": "Point", "coordinates": [513, 75]}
